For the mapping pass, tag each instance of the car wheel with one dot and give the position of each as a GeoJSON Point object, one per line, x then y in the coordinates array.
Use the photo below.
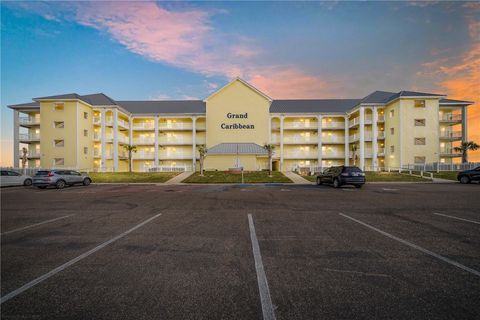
{"type": "Point", "coordinates": [60, 184]}
{"type": "Point", "coordinates": [86, 181]}
{"type": "Point", "coordinates": [42, 187]}
{"type": "Point", "coordinates": [336, 183]}
{"type": "Point", "coordinates": [319, 181]}
{"type": "Point", "coordinates": [464, 180]}
{"type": "Point", "coordinates": [27, 182]}
{"type": "Point", "coordinates": [358, 186]}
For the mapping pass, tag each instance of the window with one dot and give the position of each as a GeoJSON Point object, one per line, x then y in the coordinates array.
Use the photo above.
{"type": "Point", "coordinates": [59, 143]}
{"type": "Point", "coordinates": [392, 131]}
{"type": "Point", "coordinates": [419, 103]}
{"type": "Point", "coordinates": [58, 107]}
{"type": "Point", "coordinates": [59, 161]}
{"type": "Point", "coordinates": [85, 115]}
{"type": "Point", "coordinates": [419, 160]}
{"type": "Point", "coordinates": [59, 124]}
{"type": "Point", "coordinates": [392, 149]}
{"type": "Point", "coordinates": [85, 133]}
{"type": "Point", "coordinates": [419, 141]}
{"type": "Point", "coordinates": [392, 113]}
{"type": "Point", "coordinates": [85, 150]}
{"type": "Point", "coordinates": [419, 122]}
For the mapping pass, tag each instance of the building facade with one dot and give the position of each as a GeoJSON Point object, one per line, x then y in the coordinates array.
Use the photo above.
{"type": "Point", "coordinates": [380, 131]}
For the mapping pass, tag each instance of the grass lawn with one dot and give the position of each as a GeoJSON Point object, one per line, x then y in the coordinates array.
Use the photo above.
{"type": "Point", "coordinates": [131, 177]}
{"type": "Point", "coordinates": [225, 177]}
{"type": "Point", "coordinates": [449, 175]}
{"type": "Point", "coordinates": [382, 176]}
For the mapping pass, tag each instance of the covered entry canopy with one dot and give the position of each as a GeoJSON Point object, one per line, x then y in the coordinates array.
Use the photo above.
{"type": "Point", "coordinates": [237, 148]}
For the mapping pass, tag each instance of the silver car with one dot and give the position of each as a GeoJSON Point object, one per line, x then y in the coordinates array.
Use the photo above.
{"type": "Point", "coordinates": [59, 178]}
{"type": "Point", "coordinates": [13, 178]}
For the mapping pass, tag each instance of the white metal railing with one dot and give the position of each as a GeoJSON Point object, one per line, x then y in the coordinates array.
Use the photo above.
{"type": "Point", "coordinates": [354, 137]}
{"type": "Point", "coordinates": [275, 139]}
{"type": "Point", "coordinates": [368, 136]}
{"type": "Point", "coordinates": [143, 126]}
{"type": "Point", "coordinates": [97, 120]}
{"type": "Point", "coordinates": [381, 118]}
{"type": "Point", "coordinates": [300, 139]}
{"type": "Point", "coordinates": [354, 122]}
{"type": "Point", "coordinates": [449, 151]}
{"type": "Point", "coordinates": [451, 134]}
{"type": "Point", "coordinates": [96, 136]}
{"type": "Point", "coordinates": [175, 168]}
{"type": "Point", "coordinates": [381, 135]}
{"type": "Point", "coordinates": [143, 140]}
{"type": "Point", "coordinates": [109, 138]}
{"type": "Point", "coordinates": [333, 155]}
{"type": "Point", "coordinates": [301, 155]}
{"type": "Point", "coordinates": [333, 125]}
{"type": "Point", "coordinates": [333, 139]}
{"type": "Point", "coordinates": [29, 136]}
{"type": "Point", "coordinates": [436, 166]}
{"type": "Point", "coordinates": [300, 125]}
{"type": "Point", "coordinates": [143, 155]}
{"type": "Point", "coordinates": [451, 117]}
{"type": "Point", "coordinates": [123, 123]}
{"type": "Point", "coordinates": [97, 153]}
{"type": "Point", "coordinates": [368, 119]}
{"type": "Point", "coordinates": [30, 153]}
{"type": "Point", "coordinates": [176, 141]}
{"type": "Point", "coordinates": [176, 156]}
{"type": "Point", "coordinates": [380, 151]}
{"type": "Point", "coordinates": [174, 126]}
{"type": "Point", "coordinates": [109, 121]}
{"type": "Point", "coordinates": [200, 126]}
{"type": "Point", "coordinates": [29, 120]}
{"type": "Point", "coordinates": [123, 139]}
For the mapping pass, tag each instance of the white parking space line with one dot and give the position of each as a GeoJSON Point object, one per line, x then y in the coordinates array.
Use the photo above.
{"type": "Point", "coordinates": [457, 218]}
{"type": "Point", "coordinates": [36, 224]}
{"type": "Point", "coordinates": [412, 245]}
{"type": "Point", "coordinates": [47, 275]}
{"type": "Point", "coordinates": [265, 299]}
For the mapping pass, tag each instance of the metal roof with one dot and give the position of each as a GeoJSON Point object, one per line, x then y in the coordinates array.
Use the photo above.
{"type": "Point", "coordinates": [23, 105]}
{"type": "Point", "coordinates": [237, 148]}
{"type": "Point", "coordinates": [172, 106]}
{"type": "Point", "coordinates": [98, 99]}
{"type": "Point", "coordinates": [313, 105]}
{"type": "Point", "coordinates": [378, 97]}
{"type": "Point", "coordinates": [60, 96]}
{"type": "Point", "coordinates": [451, 101]}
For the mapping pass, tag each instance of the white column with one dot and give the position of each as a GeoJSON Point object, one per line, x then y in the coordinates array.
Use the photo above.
{"type": "Point", "coordinates": [374, 139]}
{"type": "Point", "coordinates": [464, 127]}
{"type": "Point", "coordinates": [269, 130]}
{"type": "Point", "coordinates": [130, 131]}
{"type": "Point", "coordinates": [347, 144]}
{"type": "Point", "coordinates": [319, 136]}
{"type": "Point", "coordinates": [361, 127]}
{"type": "Point", "coordinates": [155, 163]}
{"type": "Point", "coordinates": [281, 143]}
{"type": "Point", "coordinates": [194, 142]}
{"type": "Point", "coordinates": [16, 140]}
{"type": "Point", "coordinates": [102, 138]}
{"type": "Point", "coordinates": [115, 140]}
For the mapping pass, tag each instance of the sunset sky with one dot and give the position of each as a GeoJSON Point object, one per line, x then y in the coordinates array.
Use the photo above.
{"type": "Point", "coordinates": [171, 50]}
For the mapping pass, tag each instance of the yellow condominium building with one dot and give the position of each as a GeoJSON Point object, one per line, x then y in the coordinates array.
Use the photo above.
{"type": "Point", "coordinates": [382, 130]}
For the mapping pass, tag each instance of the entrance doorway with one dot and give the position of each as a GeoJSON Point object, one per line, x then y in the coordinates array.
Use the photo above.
{"type": "Point", "coordinates": [275, 165]}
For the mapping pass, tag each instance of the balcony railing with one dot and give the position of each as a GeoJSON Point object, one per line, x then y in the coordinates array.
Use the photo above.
{"type": "Point", "coordinates": [333, 125]}
{"type": "Point", "coordinates": [301, 155]}
{"type": "Point", "coordinates": [451, 135]}
{"type": "Point", "coordinates": [177, 141]}
{"type": "Point", "coordinates": [333, 155]}
{"type": "Point", "coordinates": [354, 122]}
{"type": "Point", "coordinates": [97, 120]}
{"type": "Point", "coordinates": [176, 155]}
{"type": "Point", "coordinates": [300, 140]}
{"type": "Point", "coordinates": [449, 151]}
{"type": "Point", "coordinates": [29, 136]}
{"type": "Point", "coordinates": [28, 120]}
{"type": "Point", "coordinates": [96, 136]}
{"type": "Point", "coordinates": [381, 135]}
{"type": "Point", "coordinates": [143, 155]}
{"type": "Point", "coordinates": [451, 117]}
{"type": "Point", "coordinates": [123, 139]}
{"type": "Point", "coordinates": [143, 126]}
{"type": "Point", "coordinates": [123, 123]}
{"type": "Point", "coordinates": [333, 139]}
{"type": "Point", "coordinates": [381, 151]}
{"type": "Point", "coordinates": [300, 125]}
{"type": "Point", "coordinates": [143, 140]}
{"type": "Point", "coordinates": [200, 126]}
{"type": "Point", "coordinates": [176, 126]}
{"type": "Point", "coordinates": [30, 153]}
{"type": "Point", "coordinates": [381, 118]}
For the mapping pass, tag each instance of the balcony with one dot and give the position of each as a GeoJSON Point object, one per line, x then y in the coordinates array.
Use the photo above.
{"type": "Point", "coordinates": [27, 137]}
{"type": "Point", "coordinates": [143, 126]}
{"type": "Point", "coordinates": [333, 155]}
{"type": "Point", "coordinates": [97, 153]}
{"type": "Point", "coordinates": [300, 125]}
{"type": "Point", "coordinates": [300, 140]}
{"type": "Point", "coordinates": [200, 126]}
{"type": "Point", "coordinates": [144, 141]}
{"type": "Point", "coordinates": [177, 126]}
{"type": "Point", "coordinates": [381, 118]}
{"type": "Point", "coordinates": [178, 141]}
{"type": "Point", "coordinates": [449, 152]}
{"type": "Point", "coordinates": [31, 154]}
{"type": "Point", "coordinates": [96, 136]}
{"type": "Point", "coordinates": [139, 155]}
{"type": "Point", "coordinates": [122, 124]}
{"type": "Point", "coordinates": [333, 125]}
{"type": "Point", "coordinates": [333, 140]}
{"type": "Point", "coordinates": [109, 121]}
{"type": "Point", "coordinates": [176, 156]}
{"type": "Point", "coordinates": [356, 121]}
{"type": "Point", "coordinates": [356, 137]}
{"type": "Point", "coordinates": [450, 117]}
{"type": "Point", "coordinates": [381, 152]}
{"type": "Point", "coordinates": [301, 155]}
{"type": "Point", "coordinates": [451, 135]}
{"type": "Point", "coordinates": [381, 135]}
{"type": "Point", "coordinates": [109, 138]}
{"type": "Point", "coordinates": [367, 153]}
{"type": "Point", "coordinates": [29, 121]}
{"type": "Point", "coordinates": [97, 121]}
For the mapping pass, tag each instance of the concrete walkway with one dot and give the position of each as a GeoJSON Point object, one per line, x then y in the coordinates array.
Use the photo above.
{"type": "Point", "coordinates": [440, 180]}
{"type": "Point", "coordinates": [179, 178]}
{"type": "Point", "coordinates": [296, 178]}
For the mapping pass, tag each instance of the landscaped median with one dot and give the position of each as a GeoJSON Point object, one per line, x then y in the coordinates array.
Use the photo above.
{"type": "Point", "coordinates": [447, 175]}
{"type": "Point", "coordinates": [226, 177]}
{"type": "Point", "coordinates": [131, 177]}
{"type": "Point", "coordinates": [384, 177]}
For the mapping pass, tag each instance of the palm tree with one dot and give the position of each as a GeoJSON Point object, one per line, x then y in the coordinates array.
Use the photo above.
{"type": "Point", "coordinates": [130, 148]}
{"type": "Point", "coordinates": [354, 154]}
{"type": "Point", "coordinates": [24, 159]}
{"type": "Point", "coordinates": [465, 147]}
{"type": "Point", "coordinates": [202, 151]}
{"type": "Point", "coordinates": [269, 148]}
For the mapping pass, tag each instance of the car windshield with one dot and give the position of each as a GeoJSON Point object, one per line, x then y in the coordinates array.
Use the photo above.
{"type": "Point", "coordinates": [42, 173]}
{"type": "Point", "coordinates": [351, 169]}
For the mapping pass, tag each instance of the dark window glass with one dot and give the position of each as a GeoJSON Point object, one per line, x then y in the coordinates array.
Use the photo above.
{"type": "Point", "coordinates": [13, 173]}
{"type": "Point", "coordinates": [42, 173]}
{"type": "Point", "coordinates": [352, 169]}
{"type": "Point", "coordinates": [4, 173]}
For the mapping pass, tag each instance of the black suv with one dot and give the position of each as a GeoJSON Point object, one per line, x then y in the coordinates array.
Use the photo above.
{"type": "Point", "coordinates": [342, 175]}
{"type": "Point", "coordinates": [468, 176]}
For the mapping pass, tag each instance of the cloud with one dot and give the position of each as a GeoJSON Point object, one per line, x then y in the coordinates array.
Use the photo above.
{"type": "Point", "coordinates": [184, 38]}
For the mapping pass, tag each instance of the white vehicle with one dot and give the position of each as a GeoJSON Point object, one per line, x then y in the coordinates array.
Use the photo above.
{"type": "Point", "coordinates": [13, 178]}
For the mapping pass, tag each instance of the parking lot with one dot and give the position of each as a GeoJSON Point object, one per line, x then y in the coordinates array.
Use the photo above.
{"type": "Point", "coordinates": [396, 251]}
